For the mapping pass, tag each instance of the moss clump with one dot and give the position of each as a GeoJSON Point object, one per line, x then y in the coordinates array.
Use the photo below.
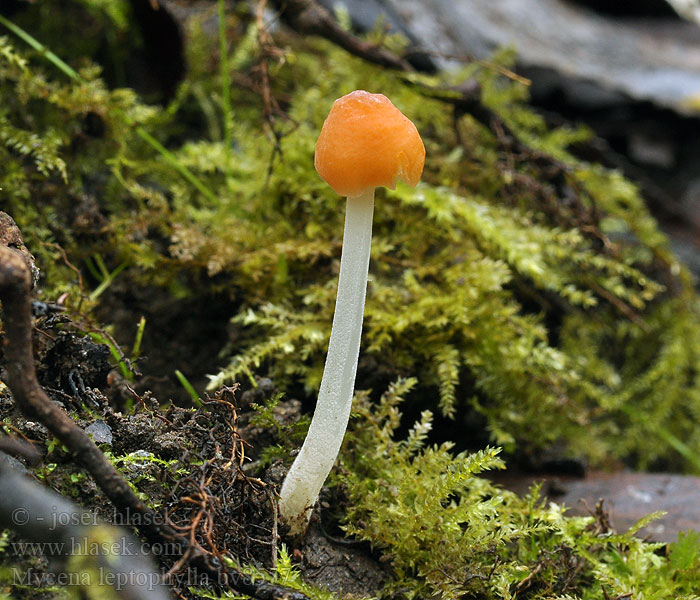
{"type": "Point", "coordinates": [517, 281]}
{"type": "Point", "coordinates": [449, 533]}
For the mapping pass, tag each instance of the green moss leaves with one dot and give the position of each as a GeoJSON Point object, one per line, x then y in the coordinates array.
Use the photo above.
{"type": "Point", "coordinates": [517, 281]}
{"type": "Point", "coordinates": [447, 531]}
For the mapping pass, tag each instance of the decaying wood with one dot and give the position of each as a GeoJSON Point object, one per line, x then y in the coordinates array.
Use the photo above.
{"type": "Point", "coordinates": [593, 59]}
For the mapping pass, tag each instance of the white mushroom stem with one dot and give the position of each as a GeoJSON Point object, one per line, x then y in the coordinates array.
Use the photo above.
{"type": "Point", "coordinates": [318, 453]}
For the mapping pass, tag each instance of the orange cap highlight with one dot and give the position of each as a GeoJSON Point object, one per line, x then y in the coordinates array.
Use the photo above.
{"type": "Point", "coordinates": [367, 142]}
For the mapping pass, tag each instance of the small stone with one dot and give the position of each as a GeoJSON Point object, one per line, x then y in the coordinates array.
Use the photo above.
{"type": "Point", "coordinates": [141, 454]}
{"type": "Point", "coordinates": [266, 386]}
{"type": "Point", "coordinates": [100, 432]}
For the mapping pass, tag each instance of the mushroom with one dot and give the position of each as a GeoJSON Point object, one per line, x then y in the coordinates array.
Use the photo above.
{"type": "Point", "coordinates": [365, 142]}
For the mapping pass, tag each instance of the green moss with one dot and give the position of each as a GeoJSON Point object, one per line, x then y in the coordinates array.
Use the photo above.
{"type": "Point", "coordinates": [448, 532]}
{"type": "Point", "coordinates": [484, 285]}
{"type": "Point", "coordinates": [288, 436]}
{"type": "Point", "coordinates": [528, 290]}
{"type": "Point", "coordinates": [284, 573]}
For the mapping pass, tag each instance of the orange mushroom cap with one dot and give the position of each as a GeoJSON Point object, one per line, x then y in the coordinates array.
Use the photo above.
{"type": "Point", "coordinates": [367, 142]}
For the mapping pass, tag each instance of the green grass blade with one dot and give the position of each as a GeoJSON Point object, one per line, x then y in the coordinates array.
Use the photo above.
{"type": "Point", "coordinates": [114, 351]}
{"type": "Point", "coordinates": [106, 282]}
{"type": "Point", "coordinates": [177, 165]}
{"type": "Point", "coordinates": [136, 348]}
{"type": "Point", "coordinates": [71, 73]}
{"type": "Point", "coordinates": [189, 388]}
{"type": "Point", "coordinates": [225, 85]}
{"type": "Point", "coordinates": [39, 47]}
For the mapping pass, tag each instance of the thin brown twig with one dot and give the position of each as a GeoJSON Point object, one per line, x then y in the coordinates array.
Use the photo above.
{"type": "Point", "coordinates": [33, 401]}
{"type": "Point", "coordinates": [273, 542]}
{"type": "Point", "coordinates": [621, 306]}
{"type": "Point", "coordinates": [17, 447]}
{"type": "Point", "coordinates": [309, 17]}
{"type": "Point", "coordinates": [271, 108]}
{"type": "Point", "coordinates": [265, 41]}
{"type": "Point", "coordinates": [525, 583]}
{"type": "Point", "coordinates": [469, 58]}
{"type": "Point", "coordinates": [30, 398]}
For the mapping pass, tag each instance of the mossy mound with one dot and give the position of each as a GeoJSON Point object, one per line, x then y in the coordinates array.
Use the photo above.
{"type": "Point", "coordinates": [526, 290]}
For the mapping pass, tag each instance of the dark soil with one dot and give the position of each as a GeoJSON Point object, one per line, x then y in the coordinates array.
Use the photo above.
{"type": "Point", "coordinates": [181, 333]}
{"type": "Point", "coordinates": [196, 467]}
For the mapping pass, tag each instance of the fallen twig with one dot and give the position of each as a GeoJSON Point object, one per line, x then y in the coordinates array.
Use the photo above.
{"type": "Point", "coordinates": [15, 288]}
{"type": "Point", "coordinates": [307, 16]}
{"type": "Point", "coordinates": [33, 401]}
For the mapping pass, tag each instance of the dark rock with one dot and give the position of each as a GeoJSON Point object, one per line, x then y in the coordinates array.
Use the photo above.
{"type": "Point", "coordinates": [627, 496]}
{"type": "Point", "coordinates": [101, 432]}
